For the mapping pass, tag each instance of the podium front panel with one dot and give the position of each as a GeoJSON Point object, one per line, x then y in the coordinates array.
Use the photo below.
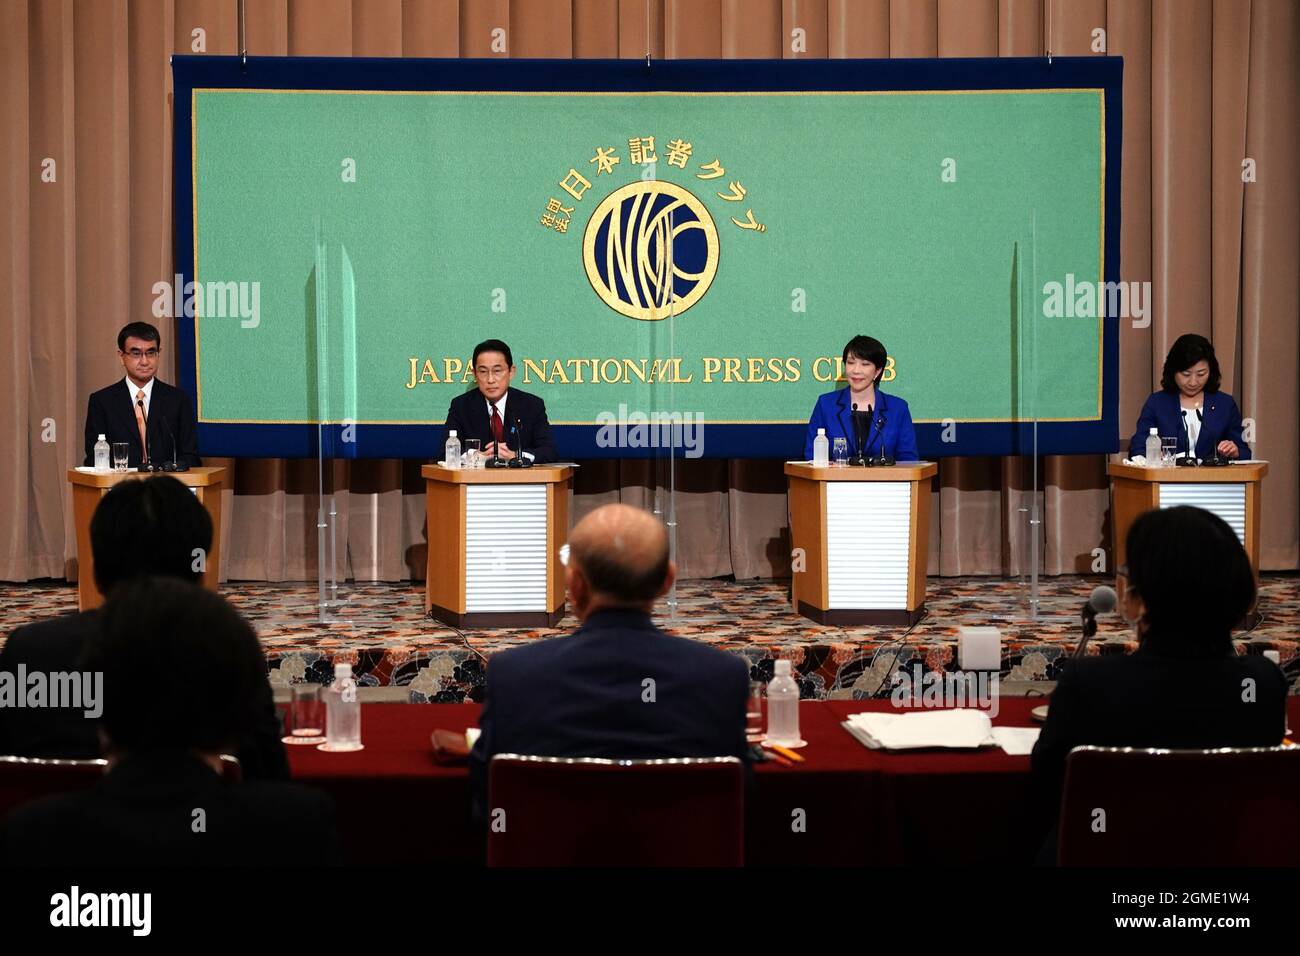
{"type": "Point", "coordinates": [1227, 500]}
{"type": "Point", "coordinates": [505, 548]}
{"type": "Point", "coordinates": [868, 544]}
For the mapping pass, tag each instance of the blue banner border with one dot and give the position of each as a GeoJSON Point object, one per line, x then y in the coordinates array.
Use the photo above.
{"type": "Point", "coordinates": [722, 441]}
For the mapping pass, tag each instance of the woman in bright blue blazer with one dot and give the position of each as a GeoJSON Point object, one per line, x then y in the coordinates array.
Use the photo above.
{"type": "Point", "coordinates": [890, 423]}
{"type": "Point", "coordinates": [1190, 404]}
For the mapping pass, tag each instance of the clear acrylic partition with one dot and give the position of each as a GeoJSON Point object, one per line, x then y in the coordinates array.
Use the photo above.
{"type": "Point", "coordinates": [1027, 316]}
{"type": "Point", "coordinates": [665, 441]}
{"type": "Point", "coordinates": [332, 397]}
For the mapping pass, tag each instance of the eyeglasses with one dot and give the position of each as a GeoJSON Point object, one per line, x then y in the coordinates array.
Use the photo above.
{"type": "Point", "coordinates": [491, 373]}
{"type": "Point", "coordinates": [136, 354]}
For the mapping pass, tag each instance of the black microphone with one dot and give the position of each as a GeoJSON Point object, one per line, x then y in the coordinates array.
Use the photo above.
{"type": "Point", "coordinates": [1189, 459]}
{"type": "Point", "coordinates": [1216, 460]}
{"type": "Point", "coordinates": [496, 461]}
{"type": "Point", "coordinates": [519, 461]}
{"type": "Point", "coordinates": [145, 465]}
{"type": "Point", "coordinates": [859, 456]}
{"type": "Point", "coordinates": [884, 460]}
{"type": "Point", "coordinates": [173, 465]}
{"type": "Point", "coordinates": [1103, 600]}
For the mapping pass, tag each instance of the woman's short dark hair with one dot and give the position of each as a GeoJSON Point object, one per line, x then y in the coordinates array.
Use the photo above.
{"type": "Point", "coordinates": [867, 349]}
{"type": "Point", "coordinates": [148, 527]}
{"type": "Point", "coordinates": [182, 670]}
{"type": "Point", "coordinates": [1186, 351]}
{"type": "Point", "coordinates": [1194, 578]}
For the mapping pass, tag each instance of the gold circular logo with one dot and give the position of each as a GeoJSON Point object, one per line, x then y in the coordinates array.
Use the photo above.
{"type": "Point", "coordinates": [647, 245]}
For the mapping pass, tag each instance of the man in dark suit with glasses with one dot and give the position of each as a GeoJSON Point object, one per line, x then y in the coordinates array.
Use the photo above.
{"type": "Point", "coordinates": [155, 420]}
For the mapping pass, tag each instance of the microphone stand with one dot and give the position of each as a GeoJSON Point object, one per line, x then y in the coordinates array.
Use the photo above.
{"type": "Point", "coordinates": [173, 466]}
{"type": "Point", "coordinates": [146, 466]}
{"type": "Point", "coordinates": [859, 456]}
{"type": "Point", "coordinates": [1189, 460]}
{"type": "Point", "coordinates": [885, 460]}
{"type": "Point", "coordinates": [519, 461]}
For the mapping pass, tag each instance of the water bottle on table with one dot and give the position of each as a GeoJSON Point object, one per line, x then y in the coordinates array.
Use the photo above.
{"type": "Point", "coordinates": [342, 712]}
{"type": "Point", "coordinates": [101, 454]}
{"type": "Point", "coordinates": [783, 709]}
{"type": "Point", "coordinates": [1153, 449]}
{"type": "Point", "coordinates": [821, 449]}
{"type": "Point", "coordinates": [451, 458]}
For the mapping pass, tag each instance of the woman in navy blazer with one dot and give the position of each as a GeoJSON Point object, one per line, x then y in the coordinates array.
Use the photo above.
{"type": "Point", "coordinates": [1190, 403]}
{"type": "Point", "coordinates": [890, 423]}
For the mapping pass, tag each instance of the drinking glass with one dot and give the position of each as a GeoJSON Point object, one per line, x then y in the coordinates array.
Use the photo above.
{"type": "Point", "coordinates": [121, 452]}
{"type": "Point", "coordinates": [473, 455]}
{"type": "Point", "coordinates": [754, 712]}
{"type": "Point", "coordinates": [840, 453]}
{"type": "Point", "coordinates": [306, 711]}
{"type": "Point", "coordinates": [1168, 450]}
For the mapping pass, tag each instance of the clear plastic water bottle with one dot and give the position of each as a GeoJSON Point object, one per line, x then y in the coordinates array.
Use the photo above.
{"type": "Point", "coordinates": [342, 711]}
{"type": "Point", "coordinates": [451, 458]}
{"type": "Point", "coordinates": [821, 449]}
{"type": "Point", "coordinates": [783, 708]}
{"type": "Point", "coordinates": [102, 461]}
{"type": "Point", "coordinates": [1153, 449]}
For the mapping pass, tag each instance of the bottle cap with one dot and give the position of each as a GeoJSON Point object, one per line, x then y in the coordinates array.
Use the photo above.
{"type": "Point", "coordinates": [1153, 432]}
{"type": "Point", "coordinates": [102, 438]}
{"type": "Point", "coordinates": [342, 670]}
{"type": "Point", "coordinates": [452, 433]}
{"type": "Point", "coordinates": [821, 431]}
{"type": "Point", "coordinates": [783, 668]}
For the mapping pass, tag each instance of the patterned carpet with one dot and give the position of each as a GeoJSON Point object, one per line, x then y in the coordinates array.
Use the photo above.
{"type": "Point", "coordinates": [381, 630]}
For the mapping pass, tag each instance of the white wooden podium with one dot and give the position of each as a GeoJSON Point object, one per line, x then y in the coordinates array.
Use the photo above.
{"type": "Point", "coordinates": [864, 535]}
{"type": "Point", "coordinates": [494, 542]}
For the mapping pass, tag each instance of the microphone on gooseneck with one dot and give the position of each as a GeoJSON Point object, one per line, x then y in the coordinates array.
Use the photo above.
{"type": "Point", "coordinates": [519, 461]}
{"type": "Point", "coordinates": [883, 459]}
{"type": "Point", "coordinates": [173, 466]}
{"type": "Point", "coordinates": [859, 453]}
{"type": "Point", "coordinates": [145, 464]}
{"type": "Point", "coordinates": [1190, 457]}
{"type": "Point", "coordinates": [1103, 600]}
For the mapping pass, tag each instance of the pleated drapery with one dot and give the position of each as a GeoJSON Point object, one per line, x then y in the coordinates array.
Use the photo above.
{"type": "Point", "coordinates": [1210, 87]}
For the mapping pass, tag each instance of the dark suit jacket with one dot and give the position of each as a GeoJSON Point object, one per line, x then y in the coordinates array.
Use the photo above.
{"type": "Point", "coordinates": [142, 814]}
{"type": "Point", "coordinates": [1163, 412]}
{"type": "Point", "coordinates": [468, 414]}
{"type": "Point", "coordinates": [581, 696]}
{"type": "Point", "coordinates": [1144, 700]}
{"type": "Point", "coordinates": [111, 412]}
{"type": "Point", "coordinates": [57, 645]}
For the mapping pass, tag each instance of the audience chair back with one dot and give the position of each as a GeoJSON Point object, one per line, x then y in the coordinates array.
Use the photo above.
{"type": "Point", "coordinates": [548, 811]}
{"type": "Point", "coordinates": [1127, 806]}
{"type": "Point", "coordinates": [24, 779]}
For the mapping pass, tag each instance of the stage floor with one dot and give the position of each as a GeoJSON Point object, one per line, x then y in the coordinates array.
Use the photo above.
{"type": "Point", "coordinates": [381, 630]}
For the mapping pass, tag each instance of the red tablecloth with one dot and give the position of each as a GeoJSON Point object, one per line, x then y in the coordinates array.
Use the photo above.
{"type": "Point", "coordinates": [854, 805]}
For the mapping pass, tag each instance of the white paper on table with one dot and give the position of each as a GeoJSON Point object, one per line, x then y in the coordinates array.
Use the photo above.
{"type": "Point", "coordinates": [961, 728]}
{"type": "Point", "coordinates": [1017, 741]}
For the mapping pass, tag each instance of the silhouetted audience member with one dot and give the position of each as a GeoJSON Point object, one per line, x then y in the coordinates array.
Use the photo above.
{"type": "Point", "coordinates": [150, 526]}
{"type": "Point", "coordinates": [1187, 583]}
{"type": "Point", "coordinates": [181, 677]}
{"type": "Point", "coordinates": [589, 694]}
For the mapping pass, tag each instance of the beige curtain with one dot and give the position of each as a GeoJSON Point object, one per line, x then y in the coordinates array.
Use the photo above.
{"type": "Point", "coordinates": [85, 103]}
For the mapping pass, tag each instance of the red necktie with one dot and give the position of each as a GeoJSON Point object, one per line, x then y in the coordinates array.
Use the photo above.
{"type": "Point", "coordinates": [498, 429]}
